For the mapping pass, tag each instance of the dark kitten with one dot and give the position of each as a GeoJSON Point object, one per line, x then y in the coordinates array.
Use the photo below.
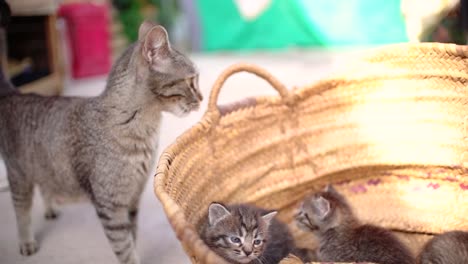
{"type": "Point", "coordinates": [246, 234]}
{"type": "Point", "coordinates": [447, 248]}
{"type": "Point", "coordinates": [342, 238]}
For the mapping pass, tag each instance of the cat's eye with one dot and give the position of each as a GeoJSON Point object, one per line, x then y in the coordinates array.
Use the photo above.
{"type": "Point", "coordinates": [257, 242]}
{"type": "Point", "coordinates": [173, 96]}
{"type": "Point", "coordinates": [235, 240]}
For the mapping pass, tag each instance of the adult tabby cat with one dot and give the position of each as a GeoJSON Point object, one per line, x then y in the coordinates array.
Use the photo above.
{"type": "Point", "coordinates": [102, 147]}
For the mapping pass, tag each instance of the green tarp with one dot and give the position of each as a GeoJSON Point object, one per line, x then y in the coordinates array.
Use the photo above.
{"type": "Point", "coordinates": [302, 23]}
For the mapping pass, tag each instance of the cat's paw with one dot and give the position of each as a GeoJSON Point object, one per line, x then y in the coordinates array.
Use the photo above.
{"type": "Point", "coordinates": [28, 248]}
{"type": "Point", "coordinates": [51, 214]}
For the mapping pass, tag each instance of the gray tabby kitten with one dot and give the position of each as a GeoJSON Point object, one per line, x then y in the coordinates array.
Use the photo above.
{"type": "Point", "coordinates": [102, 148]}
{"type": "Point", "coordinates": [447, 248]}
{"type": "Point", "coordinates": [246, 234]}
{"type": "Point", "coordinates": [342, 238]}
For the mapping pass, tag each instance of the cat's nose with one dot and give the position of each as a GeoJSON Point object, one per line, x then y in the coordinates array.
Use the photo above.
{"type": "Point", "coordinates": [247, 252]}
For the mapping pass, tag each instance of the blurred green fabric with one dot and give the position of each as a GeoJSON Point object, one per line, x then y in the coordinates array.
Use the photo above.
{"type": "Point", "coordinates": [301, 23]}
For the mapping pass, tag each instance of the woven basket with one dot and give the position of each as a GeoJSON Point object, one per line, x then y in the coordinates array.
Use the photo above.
{"type": "Point", "coordinates": [390, 132]}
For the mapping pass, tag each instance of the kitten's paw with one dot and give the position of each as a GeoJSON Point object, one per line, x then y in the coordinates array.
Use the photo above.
{"type": "Point", "coordinates": [51, 214]}
{"type": "Point", "coordinates": [29, 248]}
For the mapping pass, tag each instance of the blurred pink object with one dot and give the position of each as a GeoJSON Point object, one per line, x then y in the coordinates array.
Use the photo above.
{"type": "Point", "coordinates": [88, 38]}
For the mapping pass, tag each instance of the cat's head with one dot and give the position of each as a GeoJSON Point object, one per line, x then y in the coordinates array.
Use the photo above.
{"type": "Point", "coordinates": [166, 74]}
{"type": "Point", "coordinates": [324, 210]}
{"type": "Point", "coordinates": [238, 233]}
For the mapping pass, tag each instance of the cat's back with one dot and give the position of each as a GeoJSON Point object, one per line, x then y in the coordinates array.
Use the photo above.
{"type": "Point", "coordinates": [26, 105]}
{"type": "Point", "coordinates": [280, 233]}
{"type": "Point", "coordinates": [447, 248]}
{"type": "Point", "coordinates": [32, 118]}
{"type": "Point", "coordinates": [281, 242]}
{"type": "Point", "coordinates": [380, 245]}
{"type": "Point", "coordinates": [364, 243]}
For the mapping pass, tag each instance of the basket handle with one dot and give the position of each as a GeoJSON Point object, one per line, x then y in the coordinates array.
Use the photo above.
{"type": "Point", "coordinates": [244, 67]}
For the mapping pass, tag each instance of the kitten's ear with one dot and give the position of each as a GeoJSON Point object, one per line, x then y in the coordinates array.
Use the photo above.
{"type": "Point", "coordinates": [155, 42]}
{"type": "Point", "coordinates": [217, 212]}
{"type": "Point", "coordinates": [330, 189]}
{"type": "Point", "coordinates": [269, 216]}
{"type": "Point", "coordinates": [322, 207]}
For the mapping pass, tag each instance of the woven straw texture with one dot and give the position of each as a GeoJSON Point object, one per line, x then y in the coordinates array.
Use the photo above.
{"type": "Point", "coordinates": [390, 132]}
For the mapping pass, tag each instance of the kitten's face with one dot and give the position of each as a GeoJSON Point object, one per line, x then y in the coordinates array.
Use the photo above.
{"type": "Point", "coordinates": [238, 234]}
{"type": "Point", "coordinates": [170, 77]}
{"type": "Point", "coordinates": [322, 211]}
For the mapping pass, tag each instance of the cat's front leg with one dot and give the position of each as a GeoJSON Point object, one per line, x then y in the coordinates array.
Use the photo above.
{"type": "Point", "coordinates": [134, 210]}
{"type": "Point", "coordinates": [133, 215]}
{"type": "Point", "coordinates": [22, 191]}
{"type": "Point", "coordinates": [118, 229]}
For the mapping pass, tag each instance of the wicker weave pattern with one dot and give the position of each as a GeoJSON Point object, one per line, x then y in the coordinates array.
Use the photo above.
{"type": "Point", "coordinates": [391, 132]}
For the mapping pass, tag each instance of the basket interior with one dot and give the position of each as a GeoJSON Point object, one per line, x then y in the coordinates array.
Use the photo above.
{"type": "Point", "coordinates": [392, 140]}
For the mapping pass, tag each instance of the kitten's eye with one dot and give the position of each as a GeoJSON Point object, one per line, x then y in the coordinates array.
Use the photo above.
{"type": "Point", "coordinates": [235, 240]}
{"type": "Point", "coordinates": [257, 242]}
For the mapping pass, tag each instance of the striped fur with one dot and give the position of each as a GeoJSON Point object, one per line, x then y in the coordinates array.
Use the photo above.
{"type": "Point", "coordinates": [447, 248]}
{"type": "Point", "coordinates": [101, 148]}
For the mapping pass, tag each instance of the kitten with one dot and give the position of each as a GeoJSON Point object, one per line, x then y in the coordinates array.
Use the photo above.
{"type": "Point", "coordinates": [103, 148]}
{"type": "Point", "coordinates": [342, 238]}
{"type": "Point", "coordinates": [246, 234]}
{"type": "Point", "coordinates": [447, 248]}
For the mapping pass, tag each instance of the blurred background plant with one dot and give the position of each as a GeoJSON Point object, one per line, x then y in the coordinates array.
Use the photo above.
{"type": "Point", "coordinates": [132, 13]}
{"type": "Point", "coordinates": [221, 26]}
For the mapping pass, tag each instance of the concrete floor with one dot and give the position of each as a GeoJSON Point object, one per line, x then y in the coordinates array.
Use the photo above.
{"type": "Point", "coordinates": [77, 236]}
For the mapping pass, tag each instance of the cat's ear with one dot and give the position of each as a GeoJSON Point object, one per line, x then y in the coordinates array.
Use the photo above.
{"type": "Point", "coordinates": [155, 42]}
{"type": "Point", "coordinates": [321, 207]}
{"type": "Point", "coordinates": [217, 212]}
{"type": "Point", "coordinates": [330, 189]}
{"type": "Point", "coordinates": [269, 216]}
{"type": "Point", "coordinates": [145, 27]}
